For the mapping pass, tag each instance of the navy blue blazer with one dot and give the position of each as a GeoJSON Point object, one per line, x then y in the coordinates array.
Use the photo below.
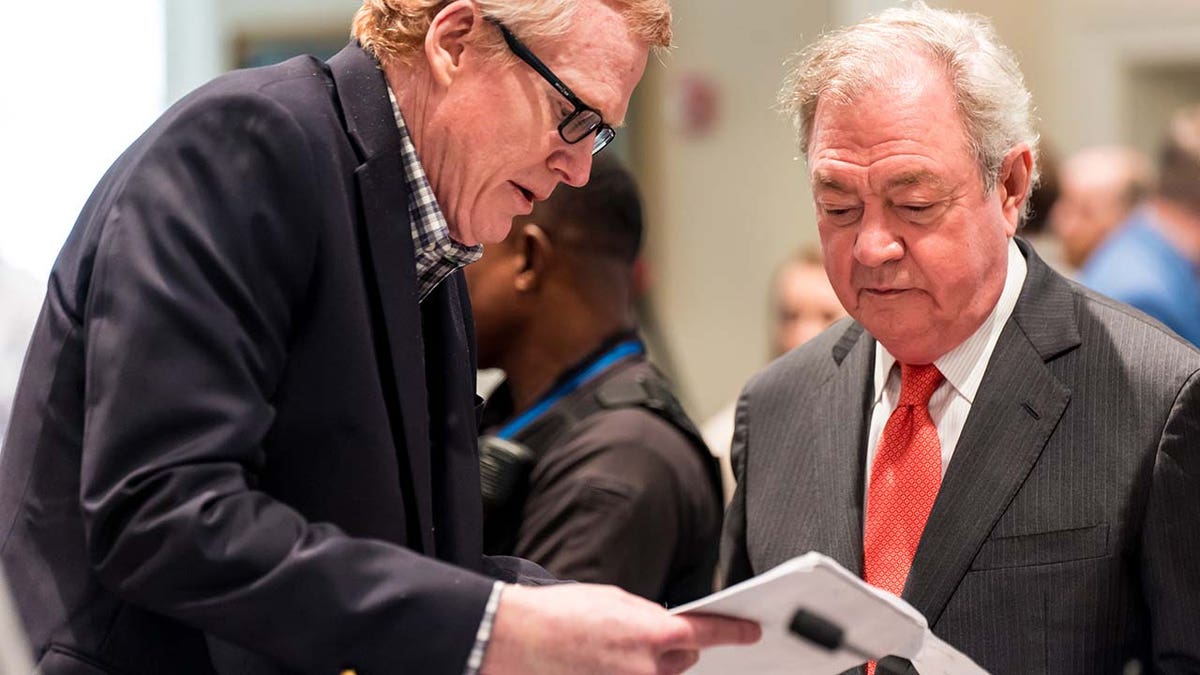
{"type": "Point", "coordinates": [239, 444]}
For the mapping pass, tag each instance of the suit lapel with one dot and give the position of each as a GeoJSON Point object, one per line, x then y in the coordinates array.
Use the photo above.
{"type": "Point", "coordinates": [850, 400]}
{"type": "Point", "coordinates": [389, 261]}
{"type": "Point", "coordinates": [450, 370]}
{"type": "Point", "coordinates": [817, 505]}
{"type": "Point", "coordinates": [1016, 410]}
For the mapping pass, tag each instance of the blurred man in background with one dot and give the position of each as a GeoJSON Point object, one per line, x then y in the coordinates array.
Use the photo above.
{"type": "Point", "coordinates": [245, 435]}
{"type": "Point", "coordinates": [591, 468]}
{"type": "Point", "coordinates": [802, 302]}
{"type": "Point", "coordinates": [1098, 189]}
{"type": "Point", "coordinates": [1014, 455]}
{"type": "Point", "coordinates": [802, 305]}
{"type": "Point", "coordinates": [1153, 261]}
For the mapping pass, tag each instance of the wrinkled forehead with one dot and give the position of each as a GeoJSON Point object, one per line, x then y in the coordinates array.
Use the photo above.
{"type": "Point", "coordinates": [885, 84]}
{"type": "Point", "coordinates": [915, 112]}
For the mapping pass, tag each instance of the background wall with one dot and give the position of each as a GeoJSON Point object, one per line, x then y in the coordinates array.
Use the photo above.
{"type": "Point", "coordinates": [206, 37]}
{"type": "Point", "coordinates": [75, 93]}
{"type": "Point", "coordinates": [726, 203]}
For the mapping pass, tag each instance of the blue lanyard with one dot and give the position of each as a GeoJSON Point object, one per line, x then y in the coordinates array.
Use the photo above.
{"type": "Point", "coordinates": [627, 348]}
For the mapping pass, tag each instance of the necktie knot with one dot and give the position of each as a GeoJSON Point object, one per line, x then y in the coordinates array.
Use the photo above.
{"type": "Point", "coordinates": [917, 383]}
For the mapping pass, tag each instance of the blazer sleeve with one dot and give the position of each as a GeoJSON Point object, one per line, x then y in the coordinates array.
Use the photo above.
{"type": "Point", "coordinates": [207, 248]}
{"type": "Point", "coordinates": [734, 564]}
{"type": "Point", "coordinates": [1170, 554]}
{"type": "Point", "coordinates": [514, 570]}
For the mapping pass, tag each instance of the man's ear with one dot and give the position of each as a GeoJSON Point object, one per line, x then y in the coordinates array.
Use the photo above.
{"type": "Point", "coordinates": [1012, 185]}
{"type": "Point", "coordinates": [535, 251]}
{"type": "Point", "coordinates": [447, 38]}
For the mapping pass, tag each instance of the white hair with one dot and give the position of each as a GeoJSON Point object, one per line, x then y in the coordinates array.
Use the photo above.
{"type": "Point", "coordinates": [994, 106]}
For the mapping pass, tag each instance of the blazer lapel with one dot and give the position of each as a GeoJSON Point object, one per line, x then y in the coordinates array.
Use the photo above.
{"type": "Point", "coordinates": [389, 262]}
{"type": "Point", "coordinates": [1016, 410]}
{"type": "Point", "coordinates": [451, 375]}
{"type": "Point", "coordinates": [816, 504]}
{"type": "Point", "coordinates": [849, 400]}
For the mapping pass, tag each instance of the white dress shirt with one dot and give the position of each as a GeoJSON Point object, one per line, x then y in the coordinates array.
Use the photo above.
{"type": "Point", "coordinates": [963, 368]}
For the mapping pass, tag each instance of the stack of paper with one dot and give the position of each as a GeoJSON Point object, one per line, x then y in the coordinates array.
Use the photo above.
{"type": "Point", "coordinates": [874, 622]}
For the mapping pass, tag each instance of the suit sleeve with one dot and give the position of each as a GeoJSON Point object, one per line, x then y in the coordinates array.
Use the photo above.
{"type": "Point", "coordinates": [514, 570]}
{"type": "Point", "coordinates": [735, 562]}
{"type": "Point", "coordinates": [1170, 572]}
{"type": "Point", "coordinates": [201, 270]}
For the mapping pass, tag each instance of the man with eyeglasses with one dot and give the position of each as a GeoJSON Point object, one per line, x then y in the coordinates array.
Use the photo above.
{"type": "Point", "coordinates": [245, 436]}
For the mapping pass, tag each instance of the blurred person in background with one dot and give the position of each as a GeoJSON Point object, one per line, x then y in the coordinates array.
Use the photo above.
{"type": "Point", "coordinates": [1152, 261]}
{"type": "Point", "coordinates": [802, 301]}
{"type": "Point", "coordinates": [1014, 455]}
{"type": "Point", "coordinates": [1098, 188]}
{"type": "Point", "coordinates": [802, 304]}
{"type": "Point", "coordinates": [591, 468]}
{"type": "Point", "coordinates": [245, 436]}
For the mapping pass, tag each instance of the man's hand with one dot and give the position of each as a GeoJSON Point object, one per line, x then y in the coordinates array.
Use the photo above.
{"type": "Point", "coordinates": [585, 628]}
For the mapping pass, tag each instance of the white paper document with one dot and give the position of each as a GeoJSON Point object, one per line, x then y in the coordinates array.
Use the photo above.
{"type": "Point", "coordinates": [874, 621]}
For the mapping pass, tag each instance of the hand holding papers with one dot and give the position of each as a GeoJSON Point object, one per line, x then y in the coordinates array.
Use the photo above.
{"type": "Point", "coordinates": [872, 621]}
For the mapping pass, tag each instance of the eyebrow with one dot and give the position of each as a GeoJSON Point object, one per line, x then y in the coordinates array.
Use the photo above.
{"type": "Point", "coordinates": [823, 179]}
{"type": "Point", "coordinates": [554, 92]}
{"type": "Point", "coordinates": [617, 124]}
{"type": "Point", "coordinates": [919, 177]}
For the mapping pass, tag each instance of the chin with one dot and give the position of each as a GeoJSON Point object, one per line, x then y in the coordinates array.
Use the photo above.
{"type": "Point", "coordinates": [494, 234]}
{"type": "Point", "coordinates": [472, 238]}
{"type": "Point", "coordinates": [906, 342]}
{"type": "Point", "coordinates": [914, 355]}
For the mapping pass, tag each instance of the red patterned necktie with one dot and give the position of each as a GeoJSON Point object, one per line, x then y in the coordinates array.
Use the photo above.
{"type": "Point", "coordinates": [905, 478]}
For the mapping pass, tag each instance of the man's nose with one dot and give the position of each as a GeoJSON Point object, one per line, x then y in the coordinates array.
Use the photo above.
{"type": "Point", "coordinates": [573, 162]}
{"type": "Point", "coordinates": [876, 243]}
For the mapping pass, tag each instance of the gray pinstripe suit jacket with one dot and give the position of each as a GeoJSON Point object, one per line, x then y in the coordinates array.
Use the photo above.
{"type": "Point", "coordinates": [1066, 533]}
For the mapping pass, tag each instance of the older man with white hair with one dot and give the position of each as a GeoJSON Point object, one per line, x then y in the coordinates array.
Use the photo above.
{"type": "Point", "coordinates": [1014, 455]}
{"type": "Point", "coordinates": [245, 436]}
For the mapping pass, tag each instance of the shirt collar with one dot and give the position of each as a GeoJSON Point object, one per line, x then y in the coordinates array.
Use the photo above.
{"type": "Point", "coordinates": [437, 254]}
{"type": "Point", "coordinates": [964, 366]}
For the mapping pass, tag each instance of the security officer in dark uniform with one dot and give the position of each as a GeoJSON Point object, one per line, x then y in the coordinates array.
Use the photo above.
{"type": "Point", "coordinates": [590, 466]}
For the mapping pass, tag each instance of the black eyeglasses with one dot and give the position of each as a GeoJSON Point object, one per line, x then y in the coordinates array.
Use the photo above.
{"type": "Point", "coordinates": [583, 120]}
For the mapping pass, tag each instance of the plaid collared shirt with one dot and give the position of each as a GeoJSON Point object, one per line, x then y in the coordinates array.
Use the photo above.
{"type": "Point", "coordinates": [437, 254]}
{"type": "Point", "coordinates": [437, 257]}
